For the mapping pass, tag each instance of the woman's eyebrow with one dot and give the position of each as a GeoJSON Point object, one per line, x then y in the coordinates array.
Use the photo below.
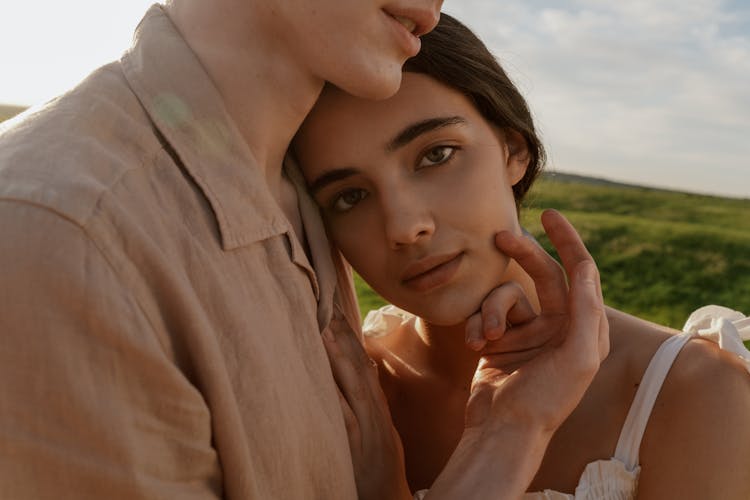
{"type": "Point", "coordinates": [328, 178]}
{"type": "Point", "coordinates": [405, 136]}
{"type": "Point", "coordinates": [414, 130]}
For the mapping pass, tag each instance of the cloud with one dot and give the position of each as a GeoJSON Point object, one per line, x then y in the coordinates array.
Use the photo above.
{"type": "Point", "coordinates": [644, 91]}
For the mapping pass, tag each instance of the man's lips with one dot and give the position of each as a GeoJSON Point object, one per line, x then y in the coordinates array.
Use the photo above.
{"type": "Point", "coordinates": [406, 23]}
{"type": "Point", "coordinates": [416, 21]}
{"type": "Point", "coordinates": [431, 271]}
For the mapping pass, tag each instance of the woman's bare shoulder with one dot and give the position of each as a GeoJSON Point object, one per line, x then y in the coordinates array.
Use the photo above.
{"type": "Point", "coordinates": [634, 341]}
{"type": "Point", "coordinates": [708, 382]}
{"type": "Point", "coordinates": [703, 381]}
{"type": "Point", "coordinates": [697, 442]}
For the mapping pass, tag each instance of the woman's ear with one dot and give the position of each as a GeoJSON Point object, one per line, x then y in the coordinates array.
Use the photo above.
{"type": "Point", "coordinates": [518, 156]}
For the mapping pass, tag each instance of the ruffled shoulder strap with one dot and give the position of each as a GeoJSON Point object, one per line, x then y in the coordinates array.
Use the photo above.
{"type": "Point", "coordinates": [631, 435]}
{"type": "Point", "coordinates": [724, 326]}
{"type": "Point", "coordinates": [388, 318]}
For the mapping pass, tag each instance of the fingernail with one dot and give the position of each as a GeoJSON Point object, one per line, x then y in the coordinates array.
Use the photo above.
{"type": "Point", "coordinates": [490, 322]}
{"type": "Point", "coordinates": [477, 344]}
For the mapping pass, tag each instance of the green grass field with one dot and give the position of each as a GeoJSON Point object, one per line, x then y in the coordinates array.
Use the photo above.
{"type": "Point", "coordinates": [8, 111]}
{"type": "Point", "coordinates": [661, 254]}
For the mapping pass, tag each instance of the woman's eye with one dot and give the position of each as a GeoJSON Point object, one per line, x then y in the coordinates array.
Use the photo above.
{"type": "Point", "coordinates": [345, 201]}
{"type": "Point", "coordinates": [437, 155]}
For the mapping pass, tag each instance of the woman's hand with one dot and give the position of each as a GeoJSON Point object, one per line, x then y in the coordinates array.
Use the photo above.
{"type": "Point", "coordinates": [377, 454]}
{"type": "Point", "coordinates": [513, 412]}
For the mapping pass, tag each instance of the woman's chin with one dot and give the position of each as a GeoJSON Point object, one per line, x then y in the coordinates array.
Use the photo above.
{"type": "Point", "coordinates": [445, 318]}
{"type": "Point", "coordinates": [448, 309]}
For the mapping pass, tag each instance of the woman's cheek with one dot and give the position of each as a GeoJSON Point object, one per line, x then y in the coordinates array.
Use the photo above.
{"type": "Point", "coordinates": [353, 242]}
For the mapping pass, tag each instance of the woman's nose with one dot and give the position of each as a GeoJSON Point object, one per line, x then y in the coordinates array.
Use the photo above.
{"type": "Point", "coordinates": [408, 222]}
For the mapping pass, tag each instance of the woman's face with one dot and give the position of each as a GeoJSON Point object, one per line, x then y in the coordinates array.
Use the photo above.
{"type": "Point", "coordinates": [413, 190]}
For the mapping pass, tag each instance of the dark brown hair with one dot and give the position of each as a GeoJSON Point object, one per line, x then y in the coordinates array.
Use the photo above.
{"type": "Point", "coordinates": [453, 55]}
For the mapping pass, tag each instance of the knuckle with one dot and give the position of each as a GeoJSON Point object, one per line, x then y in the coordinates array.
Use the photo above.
{"type": "Point", "coordinates": [585, 369]}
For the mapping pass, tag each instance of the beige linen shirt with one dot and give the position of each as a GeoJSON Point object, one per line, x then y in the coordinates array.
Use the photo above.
{"type": "Point", "coordinates": [159, 320]}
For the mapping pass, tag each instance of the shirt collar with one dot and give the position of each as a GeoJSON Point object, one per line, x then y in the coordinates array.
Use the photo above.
{"type": "Point", "coordinates": [188, 111]}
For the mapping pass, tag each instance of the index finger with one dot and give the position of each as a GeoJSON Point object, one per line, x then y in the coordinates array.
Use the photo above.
{"type": "Point", "coordinates": [566, 241]}
{"type": "Point", "coordinates": [548, 277]}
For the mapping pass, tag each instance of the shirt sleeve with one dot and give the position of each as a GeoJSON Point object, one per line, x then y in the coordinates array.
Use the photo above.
{"type": "Point", "coordinates": [91, 403]}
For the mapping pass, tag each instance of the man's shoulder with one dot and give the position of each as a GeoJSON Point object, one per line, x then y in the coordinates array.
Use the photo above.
{"type": "Point", "coordinates": [65, 154]}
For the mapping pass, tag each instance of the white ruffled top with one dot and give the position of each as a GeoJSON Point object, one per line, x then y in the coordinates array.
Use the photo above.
{"type": "Point", "coordinates": [617, 477]}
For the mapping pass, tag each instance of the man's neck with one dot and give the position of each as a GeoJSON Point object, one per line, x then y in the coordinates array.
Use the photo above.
{"type": "Point", "coordinates": [265, 90]}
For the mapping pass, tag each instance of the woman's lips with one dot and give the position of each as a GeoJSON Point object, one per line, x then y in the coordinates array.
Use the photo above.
{"type": "Point", "coordinates": [431, 272]}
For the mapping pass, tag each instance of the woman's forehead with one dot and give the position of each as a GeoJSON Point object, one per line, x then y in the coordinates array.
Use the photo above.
{"type": "Point", "coordinates": [420, 96]}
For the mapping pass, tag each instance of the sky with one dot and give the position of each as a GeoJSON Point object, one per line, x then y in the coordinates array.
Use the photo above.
{"type": "Point", "coordinates": [651, 92]}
